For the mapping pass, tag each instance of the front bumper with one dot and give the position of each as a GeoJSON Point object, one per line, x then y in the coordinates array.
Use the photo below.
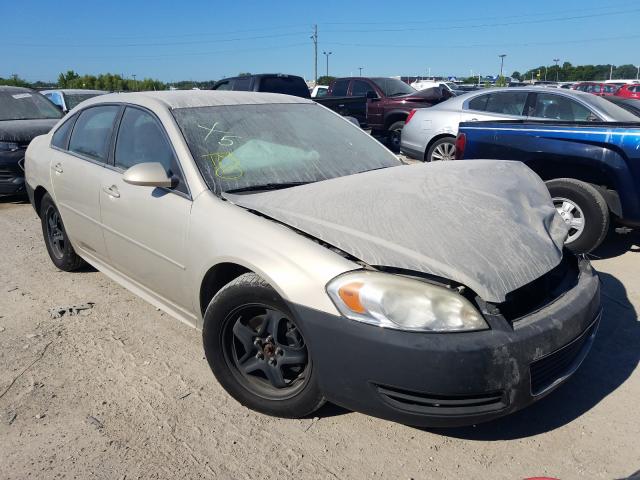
{"type": "Point", "coordinates": [12, 172]}
{"type": "Point", "coordinates": [453, 379]}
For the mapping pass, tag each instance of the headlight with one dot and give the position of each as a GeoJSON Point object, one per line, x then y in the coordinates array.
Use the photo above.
{"type": "Point", "coordinates": [8, 146]}
{"type": "Point", "coordinates": [402, 303]}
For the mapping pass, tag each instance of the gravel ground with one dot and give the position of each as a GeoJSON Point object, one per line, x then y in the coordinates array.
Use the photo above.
{"type": "Point", "coordinates": [122, 390]}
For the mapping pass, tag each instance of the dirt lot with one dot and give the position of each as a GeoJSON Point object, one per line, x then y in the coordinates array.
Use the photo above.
{"type": "Point", "coordinates": [123, 391]}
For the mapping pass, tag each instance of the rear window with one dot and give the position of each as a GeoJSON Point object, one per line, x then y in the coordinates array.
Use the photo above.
{"type": "Point", "coordinates": [92, 132]}
{"type": "Point", "coordinates": [242, 84]}
{"type": "Point", "coordinates": [61, 137]}
{"type": "Point", "coordinates": [287, 85]}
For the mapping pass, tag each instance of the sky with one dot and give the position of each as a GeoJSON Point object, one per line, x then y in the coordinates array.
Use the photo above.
{"type": "Point", "coordinates": [208, 39]}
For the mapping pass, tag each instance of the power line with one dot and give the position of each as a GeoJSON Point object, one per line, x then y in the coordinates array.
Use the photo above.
{"type": "Point", "coordinates": [487, 25]}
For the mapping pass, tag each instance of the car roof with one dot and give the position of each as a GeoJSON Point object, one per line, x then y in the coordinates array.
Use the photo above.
{"type": "Point", "coordinates": [10, 88]}
{"type": "Point", "coordinates": [172, 99]}
{"type": "Point", "coordinates": [73, 90]}
{"type": "Point", "coordinates": [259, 75]}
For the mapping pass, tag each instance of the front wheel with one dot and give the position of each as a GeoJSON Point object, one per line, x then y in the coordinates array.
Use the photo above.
{"type": "Point", "coordinates": [395, 132]}
{"type": "Point", "coordinates": [256, 350]}
{"type": "Point", "coordinates": [583, 209]}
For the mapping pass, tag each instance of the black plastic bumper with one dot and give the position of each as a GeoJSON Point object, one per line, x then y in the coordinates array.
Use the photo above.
{"type": "Point", "coordinates": [12, 172]}
{"type": "Point", "coordinates": [453, 379]}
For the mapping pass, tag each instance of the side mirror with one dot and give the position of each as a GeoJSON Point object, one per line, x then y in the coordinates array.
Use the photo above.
{"type": "Point", "coordinates": [371, 94]}
{"type": "Point", "coordinates": [149, 174]}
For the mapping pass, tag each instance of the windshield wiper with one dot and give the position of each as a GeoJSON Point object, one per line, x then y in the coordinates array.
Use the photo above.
{"type": "Point", "coordinates": [266, 186]}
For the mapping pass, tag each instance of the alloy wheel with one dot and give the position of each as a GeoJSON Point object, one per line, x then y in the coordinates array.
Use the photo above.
{"type": "Point", "coordinates": [266, 352]}
{"type": "Point", "coordinates": [444, 152]}
{"type": "Point", "coordinates": [573, 216]}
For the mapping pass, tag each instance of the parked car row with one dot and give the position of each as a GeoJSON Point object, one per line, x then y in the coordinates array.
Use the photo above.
{"type": "Point", "coordinates": [318, 265]}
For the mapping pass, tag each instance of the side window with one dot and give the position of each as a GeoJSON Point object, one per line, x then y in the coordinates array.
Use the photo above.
{"type": "Point", "coordinates": [61, 136]}
{"type": "Point", "coordinates": [224, 86]}
{"type": "Point", "coordinates": [92, 132]}
{"type": "Point", "coordinates": [557, 107]}
{"type": "Point", "coordinates": [507, 103]}
{"type": "Point", "coordinates": [360, 88]}
{"type": "Point", "coordinates": [340, 88]}
{"type": "Point", "coordinates": [596, 89]}
{"type": "Point", "coordinates": [243, 84]}
{"type": "Point", "coordinates": [140, 140]}
{"type": "Point", "coordinates": [479, 103]}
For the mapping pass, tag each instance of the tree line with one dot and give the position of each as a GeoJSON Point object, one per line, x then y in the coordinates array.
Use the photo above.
{"type": "Point", "coordinates": [570, 73]}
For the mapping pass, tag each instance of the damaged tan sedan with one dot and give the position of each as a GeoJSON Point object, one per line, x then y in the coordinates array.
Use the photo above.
{"type": "Point", "coordinates": [318, 266]}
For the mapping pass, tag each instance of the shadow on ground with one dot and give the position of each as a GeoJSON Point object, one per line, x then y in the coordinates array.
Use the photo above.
{"type": "Point", "coordinates": [612, 360]}
{"type": "Point", "coordinates": [618, 244]}
{"type": "Point", "coordinates": [14, 199]}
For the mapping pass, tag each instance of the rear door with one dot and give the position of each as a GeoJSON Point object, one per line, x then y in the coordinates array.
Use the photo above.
{"type": "Point", "coordinates": [549, 106]}
{"type": "Point", "coordinates": [145, 227]}
{"type": "Point", "coordinates": [77, 168]}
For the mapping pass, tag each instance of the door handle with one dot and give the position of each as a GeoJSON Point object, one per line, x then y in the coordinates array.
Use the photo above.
{"type": "Point", "coordinates": [112, 191]}
{"type": "Point", "coordinates": [58, 168]}
{"type": "Point", "coordinates": [474, 120]}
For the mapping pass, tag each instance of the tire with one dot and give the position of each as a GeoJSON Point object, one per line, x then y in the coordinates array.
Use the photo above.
{"type": "Point", "coordinates": [58, 245]}
{"type": "Point", "coordinates": [443, 149]}
{"type": "Point", "coordinates": [393, 135]}
{"type": "Point", "coordinates": [243, 311]}
{"type": "Point", "coordinates": [575, 201]}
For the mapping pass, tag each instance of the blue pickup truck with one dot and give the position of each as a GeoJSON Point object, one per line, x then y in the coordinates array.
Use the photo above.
{"type": "Point", "coordinates": [592, 169]}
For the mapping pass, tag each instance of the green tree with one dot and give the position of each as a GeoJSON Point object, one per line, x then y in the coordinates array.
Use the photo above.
{"type": "Point", "coordinates": [325, 80]}
{"type": "Point", "coordinates": [516, 76]}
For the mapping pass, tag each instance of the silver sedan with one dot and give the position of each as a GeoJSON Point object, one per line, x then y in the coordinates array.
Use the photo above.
{"type": "Point", "coordinates": [430, 133]}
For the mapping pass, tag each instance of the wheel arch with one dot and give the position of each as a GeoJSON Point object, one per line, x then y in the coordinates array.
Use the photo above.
{"type": "Point", "coordinates": [38, 195]}
{"type": "Point", "coordinates": [393, 117]}
{"type": "Point", "coordinates": [600, 178]}
{"type": "Point", "coordinates": [216, 278]}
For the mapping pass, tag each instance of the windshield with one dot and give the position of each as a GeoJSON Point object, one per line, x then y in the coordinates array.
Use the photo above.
{"type": "Point", "coordinates": [242, 146]}
{"type": "Point", "coordinates": [392, 87]}
{"type": "Point", "coordinates": [73, 99]}
{"type": "Point", "coordinates": [17, 105]}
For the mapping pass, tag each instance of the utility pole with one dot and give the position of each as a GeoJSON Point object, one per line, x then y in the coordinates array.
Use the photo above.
{"type": "Point", "coordinates": [326, 54]}
{"type": "Point", "coordinates": [502, 62]}
{"type": "Point", "coordinates": [556, 60]}
{"type": "Point", "coordinates": [360, 68]}
{"type": "Point", "coordinates": [638, 72]}
{"type": "Point", "coordinates": [610, 72]}
{"type": "Point", "coordinates": [135, 84]}
{"type": "Point", "coordinates": [314, 38]}
{"type": "Point", "coordinates": [545, 73]}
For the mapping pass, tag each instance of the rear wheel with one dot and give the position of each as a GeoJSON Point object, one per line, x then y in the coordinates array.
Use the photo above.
{"type": "Point", "coordinates": [583, 209]}
{"type": "Point", "coordinates": [58, 245]}
{"type": "Point", "coordinates": [443, 149]}
{"type": "Point", "coordinates": [257, 352]}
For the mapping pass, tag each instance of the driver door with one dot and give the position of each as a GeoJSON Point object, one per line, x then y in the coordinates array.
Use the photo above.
{"type": "Point", "coordinates": [145, 227]}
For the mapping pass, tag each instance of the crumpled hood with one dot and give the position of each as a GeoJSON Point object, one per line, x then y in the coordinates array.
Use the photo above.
{"type": "Point", "coordinates": [489, 225]}
{"type": "Point", "coordinates": [23, 131]}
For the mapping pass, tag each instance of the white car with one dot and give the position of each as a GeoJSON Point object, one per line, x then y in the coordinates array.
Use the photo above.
{"type": "Point", "coordinates": [319, 91]}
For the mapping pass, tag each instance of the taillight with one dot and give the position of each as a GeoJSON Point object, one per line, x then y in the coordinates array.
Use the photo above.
{"type": "Point", "coordinates": [461, 142]}
{"type": "Point", "coordinates": [411, 114]}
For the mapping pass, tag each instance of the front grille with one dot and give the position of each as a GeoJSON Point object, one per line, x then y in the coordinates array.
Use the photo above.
{"type": "Point", "coordinates": [424, 403]}
{"type": "Point", "coordinates": [6, 174]}
{"type": "Point", "coordinates": [558, 365]}
{"type": "Point", "coordinates": [542, 291]}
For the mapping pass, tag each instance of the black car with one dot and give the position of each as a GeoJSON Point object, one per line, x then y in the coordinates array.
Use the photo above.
{"type": "Point", "coordinates": [631, 105]}
{"type": "Point", "coordinates": [24, 114]}
{"type": "Point", "coordinates": [266, 82]}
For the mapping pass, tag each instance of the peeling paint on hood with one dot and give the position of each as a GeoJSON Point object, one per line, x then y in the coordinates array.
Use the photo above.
{"type": "Point", "coordinates": [489, 225]}
{"type": "Point", "coordinates": [23, 131]}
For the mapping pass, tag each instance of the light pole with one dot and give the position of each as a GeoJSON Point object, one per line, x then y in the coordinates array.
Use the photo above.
{"type": "Point", "coordinates": [135, 85]}
{"type": "Point", "coordinates": [360, 68]}
{"type": "Point", "coordinates": [556, 60]}
{"type": "Point", "coordinates": [314, 39]}
{"type": "Point", "coordinates": [545, 73]}
{"type": "Point", "coordinates": [638, 72]}
{"type": "Point", "coordinates": [502, 62]}
{"type": "Point", "coordinates": [326, 54]}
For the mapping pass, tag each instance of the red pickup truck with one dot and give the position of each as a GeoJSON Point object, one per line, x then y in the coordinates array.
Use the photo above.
{"type": "Point", "coordinates": [389, 101]}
